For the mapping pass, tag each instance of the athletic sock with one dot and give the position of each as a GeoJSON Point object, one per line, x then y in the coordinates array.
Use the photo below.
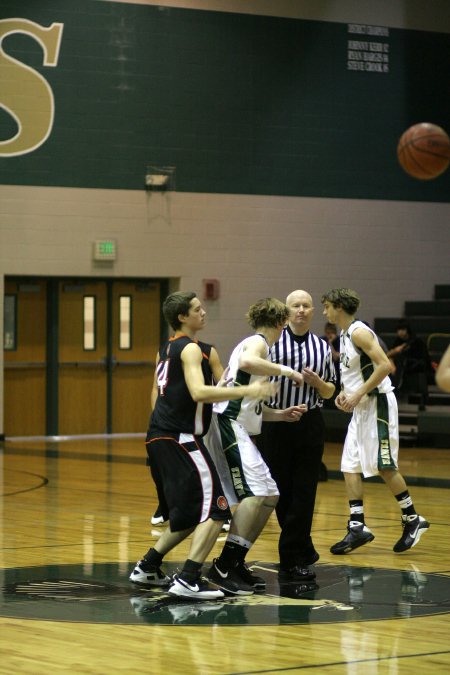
{"type": "Point", "coordinates": [356, 511]}
{"type": "Point", "coordinates": [191, 570]}
{"type": "Point", "coordinates": [232, 554]}
{"type": "Point", "coordinates": [406, 504]}
{"type": "Point", "coordinates": [153, 557]}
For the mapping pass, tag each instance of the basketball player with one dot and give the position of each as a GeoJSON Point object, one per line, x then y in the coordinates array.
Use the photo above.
{"type": "Point", "coordinates": [217, 369]}
{"type": "Point", "coordinates": [371, 444]}
{"type": "Point", "coordinates": [187, 483]}
{"type": "Point", "coordinates": [255, 489]}
{"type": "Point", "coordinates": [443, 371]}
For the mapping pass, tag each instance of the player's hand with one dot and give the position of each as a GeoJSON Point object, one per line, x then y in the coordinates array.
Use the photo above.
{"type": "Point", "coordinates": [294, 413]}
{"type": "Point", "coordinates": [340, 401]}
{"type": "Point", "coordinates": [347, 403]}
{"type": "Point", "coordinates": [296, 378]}
{"type": "Point", "coordinates": [262, 389]}
{"type": "Point", "coordinates": [225, 379]}
{"type": "Point", "coordinates": [311, 377]}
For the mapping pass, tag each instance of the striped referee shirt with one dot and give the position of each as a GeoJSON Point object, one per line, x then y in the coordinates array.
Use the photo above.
{"type": "Point", "coordinates": [298, 352]}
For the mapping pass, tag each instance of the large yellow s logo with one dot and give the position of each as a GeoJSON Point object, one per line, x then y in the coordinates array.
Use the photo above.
{"type": "Point", "coordinates": [24, 93]}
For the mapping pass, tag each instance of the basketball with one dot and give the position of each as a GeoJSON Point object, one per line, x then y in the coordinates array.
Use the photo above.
{"type": "Point", "coordinates": [424, 151]}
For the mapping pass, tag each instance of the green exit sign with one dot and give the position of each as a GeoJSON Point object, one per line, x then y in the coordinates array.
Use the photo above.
{"type": "Point", "coordinates": [105, 249]}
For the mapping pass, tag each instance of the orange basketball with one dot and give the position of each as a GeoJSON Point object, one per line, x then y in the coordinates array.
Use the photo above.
{"type": "Point", "coordinates": [424, 151]}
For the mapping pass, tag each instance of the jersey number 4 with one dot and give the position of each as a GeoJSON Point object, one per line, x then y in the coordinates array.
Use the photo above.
{"type": "Point", "coordinates": [162, 376]}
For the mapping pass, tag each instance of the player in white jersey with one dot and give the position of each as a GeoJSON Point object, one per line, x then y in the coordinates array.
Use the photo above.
{"type": "Point", "coordinates": [254, 488]}
{"type": "Point", "coordinates": [371, 444]}
{"type": "Point", "coordinates": [443, 371]}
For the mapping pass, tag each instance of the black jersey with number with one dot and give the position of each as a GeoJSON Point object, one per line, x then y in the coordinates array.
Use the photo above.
{"type": "Point", "coordinates": [175, 409]}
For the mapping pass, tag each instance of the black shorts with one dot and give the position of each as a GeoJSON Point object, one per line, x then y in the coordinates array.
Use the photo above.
{"type": "Point", "coordinates": [188, 485]}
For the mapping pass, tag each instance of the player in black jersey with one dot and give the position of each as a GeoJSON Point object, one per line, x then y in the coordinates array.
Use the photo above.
{"type": "Point", "coordinates": [188, 485]}
{"type": "Point", "coordinates": [216, 370]}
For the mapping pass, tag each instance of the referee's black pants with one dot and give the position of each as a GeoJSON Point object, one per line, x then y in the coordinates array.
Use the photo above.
{"type": "Point", "coordinates": [293, 452]}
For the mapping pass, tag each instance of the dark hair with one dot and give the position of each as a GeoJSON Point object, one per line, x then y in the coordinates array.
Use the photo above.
{"type": "Point", "coordinates": [331, 326]}
{"type": "Point", "coordinates": [267, 313]}
{"type": "Point", "coordinates": [345, 298]}
{"type": "Point", "coordinates": [403, 324]}
{"type": "Point", "coordinates": [175, 304]}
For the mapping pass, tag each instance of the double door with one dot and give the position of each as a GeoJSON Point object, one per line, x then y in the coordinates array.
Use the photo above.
{"type": "Point", "coordinates": [79, 355]}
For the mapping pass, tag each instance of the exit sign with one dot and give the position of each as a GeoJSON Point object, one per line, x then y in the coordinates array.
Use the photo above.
{"type": "Point", "coordinates": [105, 249]}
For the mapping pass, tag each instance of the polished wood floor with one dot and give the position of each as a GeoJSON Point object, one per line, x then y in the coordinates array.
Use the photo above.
{"type": "Point", "coordinates": [88, 501]}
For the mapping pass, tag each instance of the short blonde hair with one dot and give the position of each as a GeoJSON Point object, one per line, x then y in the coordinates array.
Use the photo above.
{"type": "Point", "coordinates": [267, 313]}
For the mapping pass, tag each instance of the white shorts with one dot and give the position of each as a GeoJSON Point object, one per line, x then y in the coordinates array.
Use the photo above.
{"type": "Point", "coordinates": [247, 471]}
{"type": "Point", "coordinates": [371, 443]}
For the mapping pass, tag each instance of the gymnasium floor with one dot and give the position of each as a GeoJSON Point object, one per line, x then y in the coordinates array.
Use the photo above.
{"type": "Point", "coordinates": [75, 516]}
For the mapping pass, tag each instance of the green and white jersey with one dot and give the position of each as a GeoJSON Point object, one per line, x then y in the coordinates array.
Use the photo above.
{"type": "Point", "coordinates": [356, 366]}
{"type": "Point", "coordinates": [246, 411]}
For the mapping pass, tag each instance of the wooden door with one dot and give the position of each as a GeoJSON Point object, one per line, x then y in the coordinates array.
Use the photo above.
{"type": "Point", "coordinates": [25, 358]}
{"type": "Point", "coordinates": [82, 358]}
{"type": "Point", "coordinates": [135, 342]}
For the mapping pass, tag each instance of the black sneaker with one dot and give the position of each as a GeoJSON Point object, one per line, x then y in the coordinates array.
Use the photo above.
{"type": "Point", "coordinates": [145, 574]}
{"type": "Point", "coordinates": [229, 581]}
{"type": "Point", "coordinates": [413, 528]}
{"type": "Point", "coordinates": [196, 590]}
{"type": "Point", "coordinates": [297, 574]}
{"type": "Point", "coordinates": [247, 576]}
{"type": "Point", "coordinates": [357, 535]}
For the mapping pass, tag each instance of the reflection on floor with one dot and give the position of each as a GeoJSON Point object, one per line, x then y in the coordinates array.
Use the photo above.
{"type": "Point", "coordinates": [102, 593]}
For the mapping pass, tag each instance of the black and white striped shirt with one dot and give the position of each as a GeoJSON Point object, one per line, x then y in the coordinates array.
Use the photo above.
{"type": "Point", "coordinates": [298, 352]}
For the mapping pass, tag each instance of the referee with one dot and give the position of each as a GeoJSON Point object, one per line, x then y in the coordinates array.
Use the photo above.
{"type": "Point", "coordinates": [293, 450]}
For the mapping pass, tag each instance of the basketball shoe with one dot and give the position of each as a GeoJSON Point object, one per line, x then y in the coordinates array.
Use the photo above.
{"type": "Point", "coordinates": [229, 580]}
{"type": "Point", "coordinates": [157, 518]}
{"type": "Point", "coordinates": [198, 589]}
{"type": "Point", "coordinates": [357, 535]}
{"type": "Point", "coordinates": [247, 576]}
{"type": "Point", "coordinates": [413, 528]}
{"type": "Point", "coordinates": [145, 574]}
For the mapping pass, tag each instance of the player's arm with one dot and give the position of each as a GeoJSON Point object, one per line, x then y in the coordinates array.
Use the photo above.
{"type": "Point", "coordinates": [154, 394]}
{"type": "Point", "coordinates": [253, 360]}
{"type": "Point", "coordinates": [443, 371]}
{"type": "Point", "coordinates": [366, 341]}
{"type": "Point", "coordinates": [191, 358]}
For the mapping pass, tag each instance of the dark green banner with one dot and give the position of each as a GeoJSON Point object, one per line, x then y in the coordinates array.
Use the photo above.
{"type": "Point", "coordinates": [91, 93]}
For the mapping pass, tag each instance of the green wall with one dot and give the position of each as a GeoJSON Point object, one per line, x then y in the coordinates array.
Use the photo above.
{"type": "Point", "coordinates": [238, 103]}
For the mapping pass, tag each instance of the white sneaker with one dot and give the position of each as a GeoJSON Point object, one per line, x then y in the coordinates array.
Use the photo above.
{"type": "Point", "coordinates": [157, 520]}
{"type": "Point", "coordinates": [200, 589]}
{"type": "Point", "coordinates": [226, 526]}
{"type": "Point", "coordinates": [148, 575]}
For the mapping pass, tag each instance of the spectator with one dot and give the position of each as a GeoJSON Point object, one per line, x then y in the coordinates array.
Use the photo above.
{"type": "Point", "coordinates": [412, 363]}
